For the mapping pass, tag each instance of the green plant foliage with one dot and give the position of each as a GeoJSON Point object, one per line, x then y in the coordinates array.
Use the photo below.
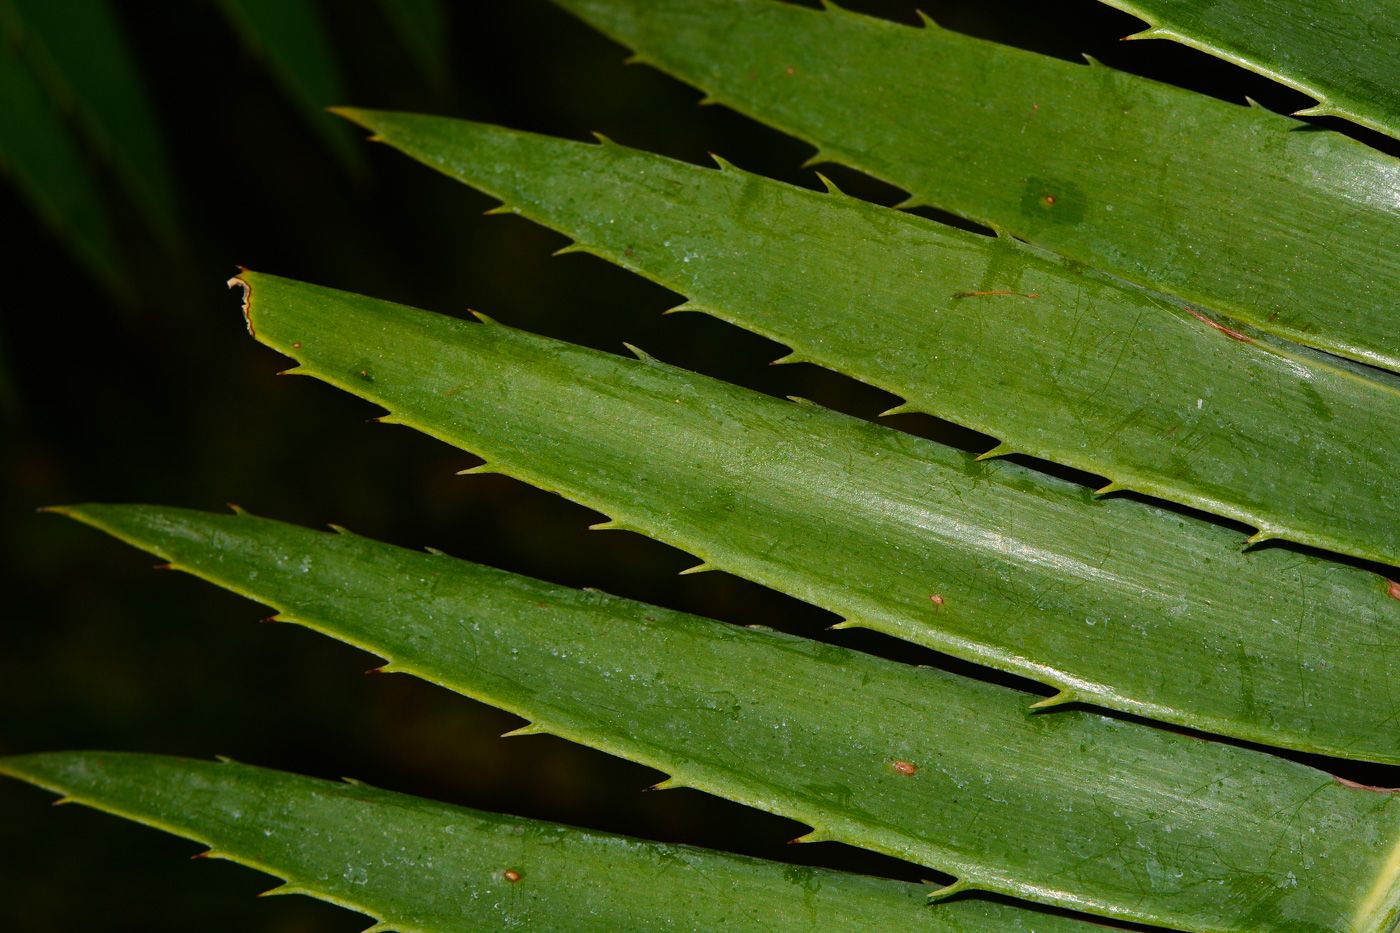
{"type": "Point", "coordinates": [290, 35]}
{"type": "Point", "coordinates": [1291, 229]}
{"type": "Point", "coordinates": [988, 561]}
{"type": "Point", "coordinates": [42, 157]}
{"type": "Point", "coordinates": [1343, 54]}
{"type": "Point", "coordinates": [424, 867]}
{"type": "Point", "coordinates": [1054, 359]}
{"type": "Point", "coordinates": [79, 50]}
{"type": "Point", "coordinates": [1028, 804]}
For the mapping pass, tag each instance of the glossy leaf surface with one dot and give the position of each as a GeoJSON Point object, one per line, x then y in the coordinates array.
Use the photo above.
{"type": "Point", "coordinates": [1053, 359]}
{"type": "Point", "coordinates": [425, 867]}
{"type": "Point", "coordinates": [926, 765]}
{"type": "Point", "coordinates": [1113, 601]}
{"type": "Point", "coordinates": [1292, 229]}
{"type": "Point", "coordinates": [1341, 53]}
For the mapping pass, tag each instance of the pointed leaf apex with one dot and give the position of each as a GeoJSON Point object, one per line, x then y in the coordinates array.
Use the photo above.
{"type": "Point", "coordinates": [1001, 450]}
{"type": "Point", "coordinates": [483, 318]}
{"type": "Point", "coordinates": [604, 141]}
{"type": "Point", "coordinates": [793, 357]}
{"type": "Point", "coordinates": [1090, 60]}
{"type": "Point", "coordinates": [701, 567]}
{"type": "Point", "coordinates": [1262, 535]}
{"type": "Point", "coordinates": [948, 890]}
{"type": "Point", "coordinates": [639, 353]}
{"type": "Point", "coordinates": [1112, 487]}
{"type": "Point", "coordinates": [817, 158]}
{"type": "Point", "coordinates": [671, 783]}
{"type": "Point", "coordinates": [683, 306]}
{"type": "Point", "coordinates": [236, 509]}
{"type": "Point", "coordinates": [903, 408]}
{"type": "Point", "coordinates": [530, 728]}
{"type": "Point", "coordinates": [1320, 109]}
{"type": "Point", "coordinates": [724, 164]}
{"type": "Point", "coordinates": [830, 185]}
{"type": "Point", "coordinates": [1066, 695]}
{"type": "Point", "coordinates": [479, 469]}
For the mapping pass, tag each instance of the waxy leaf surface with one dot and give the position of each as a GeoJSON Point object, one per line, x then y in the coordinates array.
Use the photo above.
{"type": "Point", "coordinates": [1053, 359]}
{"type": "Point", "coordinates": [424, 867]}
{"type": "Point", "coordinates": [926, 765]}
{"type": "Point", "coordinates": [1113, 601]}
{"type": "Point", "coordinates": [1341, 52]}
{"type": "Point", "coordinates": [1290, 228]}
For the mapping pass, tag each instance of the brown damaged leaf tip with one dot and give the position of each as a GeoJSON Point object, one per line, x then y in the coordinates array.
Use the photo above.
{"type": "Point", "coordinates": [239, 282]}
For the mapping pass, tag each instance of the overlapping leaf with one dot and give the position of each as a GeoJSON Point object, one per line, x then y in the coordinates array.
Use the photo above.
{"type": "Point", "coordinates": [1341, 53]}
{"type": "Point", "coordinates": [1112, 601]}
{"type": "Point", "coordinates": [1054, 359]}
{"type": "Point", "coordinates": [425, 867]}
{"type": "Point", "coordinates": [929, 766]}
{"type": "Point", "coordinates": [1292, 229]}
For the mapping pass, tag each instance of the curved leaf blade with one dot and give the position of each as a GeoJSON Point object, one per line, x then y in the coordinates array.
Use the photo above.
{"type": "Point", "coordinates": [1342, 54]}
{"type": "Point", "coordinates": [990, 562]}
{"type": "Point", "coordinates": [293, 40]}
{"type": "Point", "coordinates": [1144, 180]}
{"type": "Point", "coordinates": [80, 51]}
{"type": "Point", "coordinates": [922, 764]}
{"type": "Point", "coordinates": [42, 157]}
{"type": "Point", "coordinates": [1055, 360]}
{"type": "Point", "coordinates": [421, 866]}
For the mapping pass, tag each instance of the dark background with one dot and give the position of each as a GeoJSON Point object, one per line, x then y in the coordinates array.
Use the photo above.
{"type": "Point", "coordinates": [168, 400]}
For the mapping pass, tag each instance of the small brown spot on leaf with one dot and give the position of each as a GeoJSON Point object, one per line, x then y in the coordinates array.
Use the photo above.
{"type": "Point", "coordinates": [296, 346]}
{"type": "Point", "coordinates": [512, 876]}
{"type": "Point", "coordinates": [1049, 199]}
{"type": "Point", "coordinates": [936, 599]}
{"type": "Point", "coordinates": [791, 70]}
{"type": "Point", "coordinates": [905, 768]}
{"type": "Point", "coordinates": [1393, 590]}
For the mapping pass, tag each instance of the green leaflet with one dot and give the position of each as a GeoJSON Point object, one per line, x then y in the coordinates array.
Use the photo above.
{"type": "Point", "coordinates": [1111, 600]}
{"type": "Point", "coordinates": [1071, 808]}
{"type": "Point", "coordinates": [40, 154]}
{"type": "Point", "coordinates": [425, 867]}
{"type": "Point", "coordinates": [1292, 229]}
{"type": "Point", "coordinates": [292, 38]}
{"type": "Point", "coordinates": [1343, 54]}
{"type": "Point", "coordinates": [80, 51]}
{"type": "Point", "coordinates": [1054, 359]}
